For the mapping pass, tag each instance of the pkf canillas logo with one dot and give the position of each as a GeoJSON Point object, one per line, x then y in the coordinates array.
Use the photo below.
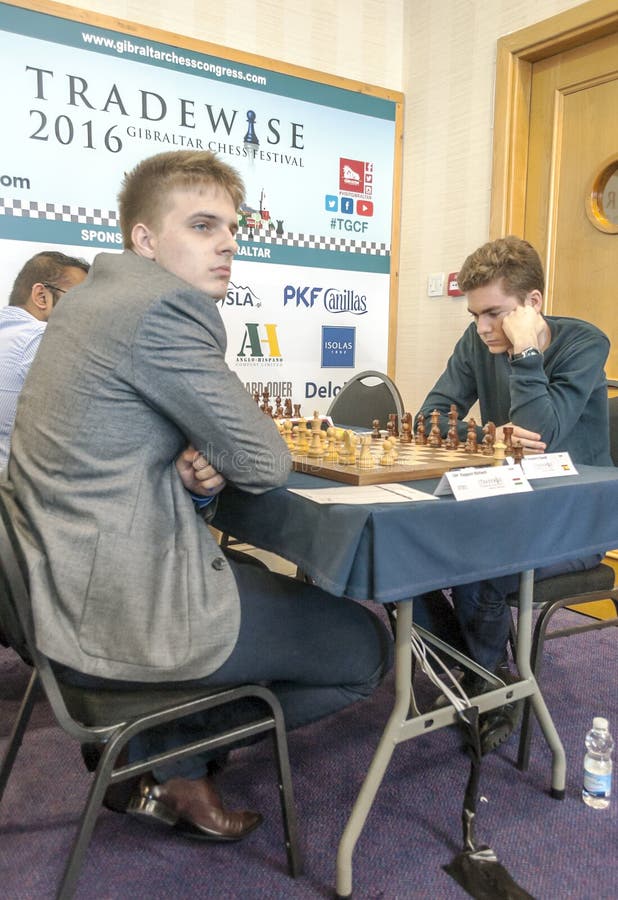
{"type": "Point", "coordinates": [338, 346]}
{"type": "Point", "coordinates": [260, 345]}
{"type": "Point", "coordinates": [356, 176]}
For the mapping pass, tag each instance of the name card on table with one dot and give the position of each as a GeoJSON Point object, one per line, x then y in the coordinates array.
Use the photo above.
{"type": "Point", "coordinates": [547, 465]}
{"type": "Point", "coordinates": [484, 481]}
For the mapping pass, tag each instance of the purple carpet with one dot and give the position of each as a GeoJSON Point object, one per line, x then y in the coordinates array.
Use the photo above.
{"type": "Point", "coordinates": [552, 849]}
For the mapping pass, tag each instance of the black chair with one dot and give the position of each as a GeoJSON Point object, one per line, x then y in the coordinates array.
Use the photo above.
{"type": "Point", "coordinates": [550, 596]}
{"type": "Point", "coordinates": [569, 589]}
{"type": "Point", "coordinates": [366, 396]}
{"type": "Point", "coordinates": [109, 718]}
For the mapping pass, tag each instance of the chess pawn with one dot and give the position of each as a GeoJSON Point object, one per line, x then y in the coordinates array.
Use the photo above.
{"type": "Point", "coordinates": [507, 434]}
{"type": "Point", "coordinates": [406, 430]}
{"type": "Point", "coordinates": [347, 456]}
{"type": "Point", "coordinates": [388, 455]}
{"type": "Point", "coordinates": [435, 438]}
{"type": "Point", "coordinates": [518, 452]}
{"type": "Point", "coordinates": [499, 453]}
{"type": "Point", "coordinates": [365, 460]}
{"type": "Point", "coordinates": [452, 438]}
{"type": "Point", "coordinates": [315, 450]}
{"type": "Point", "coordinates": [302, 437]}
{"type": "Point", "coordinates": [471, 442]}
{"type": "Point", "coordinates": [287, 433]}
{"type": "Point", "coordinates": [375, 434]}
{"type": "Point", "coordinates": [331, 454]}
{"type": "Point", "coordinates": [489, 439]}
{"type": "Point", "coordinates": [421, 436]}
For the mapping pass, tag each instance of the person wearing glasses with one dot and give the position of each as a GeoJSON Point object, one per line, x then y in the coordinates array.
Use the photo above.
{"type": "Point", "coordinates": [42, 281]}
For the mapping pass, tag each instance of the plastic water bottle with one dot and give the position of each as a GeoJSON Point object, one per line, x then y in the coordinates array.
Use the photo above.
{"type": "Point", "coordinates": [598, 765]}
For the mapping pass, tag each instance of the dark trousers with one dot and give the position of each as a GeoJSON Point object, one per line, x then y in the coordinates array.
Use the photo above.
{"type": "Point", "coordinates": [318, 653]}
{"type": "Point", "coordinates": [476, 620]}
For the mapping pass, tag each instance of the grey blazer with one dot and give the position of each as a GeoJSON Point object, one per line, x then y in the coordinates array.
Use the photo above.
{"type": "Point", "coordinates": [126, 580]}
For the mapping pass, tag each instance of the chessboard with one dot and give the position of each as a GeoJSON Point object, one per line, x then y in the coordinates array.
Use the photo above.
{"type": "Point", "coordinates": [413, 462]}
{"type": "Point", "coordinates": [381, 457]}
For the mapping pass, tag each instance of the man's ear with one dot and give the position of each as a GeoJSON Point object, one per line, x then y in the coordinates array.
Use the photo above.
{"type": "Point", "coordinates": [39, 297]}
{"type": "Point", "coordinates": [534, 299]}
{"type": "Point", "coordinates": [143, 241]}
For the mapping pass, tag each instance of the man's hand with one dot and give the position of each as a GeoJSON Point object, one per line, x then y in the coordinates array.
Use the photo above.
{"type": "Point", "coordinates": [524, 327]}
{"type": "Point", "coordinates": [530, 440]}
{"type": "Point", "coordinates": [197, 475]}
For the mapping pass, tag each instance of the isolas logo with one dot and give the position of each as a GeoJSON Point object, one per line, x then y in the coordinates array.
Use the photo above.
{"type": "Point", "coordinates": [338, 347]}
{"type": "Point", "coordinates": [334, 300]}
{"type": "Point", "coordinates": [260, 345]}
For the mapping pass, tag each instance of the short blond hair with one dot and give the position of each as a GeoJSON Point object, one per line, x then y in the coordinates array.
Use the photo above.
{"type": "Point", "coordinates": [144, 192]}
{"type": "Point", "coordinates": [510, 260]}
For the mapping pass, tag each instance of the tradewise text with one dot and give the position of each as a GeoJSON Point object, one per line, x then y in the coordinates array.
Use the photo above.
{"type": "Point", "coordinates": [200, 121]}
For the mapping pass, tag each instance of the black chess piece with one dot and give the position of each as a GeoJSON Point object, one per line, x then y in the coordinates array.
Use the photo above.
{"type": "Point", "coordinates": [251, 137]}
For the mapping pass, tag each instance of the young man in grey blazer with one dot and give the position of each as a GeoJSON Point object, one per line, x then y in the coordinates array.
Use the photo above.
{"type": "Point", "coordinates": [127, 581]}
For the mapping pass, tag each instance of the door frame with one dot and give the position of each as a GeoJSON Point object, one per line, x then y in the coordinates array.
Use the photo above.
{"type": "Point", "coordinates": [516, 54]}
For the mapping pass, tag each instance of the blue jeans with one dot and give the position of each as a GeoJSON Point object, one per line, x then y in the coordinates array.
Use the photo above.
{"type": "Point", "coordinates": [318, 654]}
{"type": "Point", "coordinates": [477, 621]}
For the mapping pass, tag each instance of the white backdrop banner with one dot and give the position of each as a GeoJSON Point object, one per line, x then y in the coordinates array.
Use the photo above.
{"type": "Point", "coordinates": [81, 104]}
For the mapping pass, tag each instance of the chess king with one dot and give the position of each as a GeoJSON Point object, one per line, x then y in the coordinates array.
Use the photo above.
{"type": "Point", "coordinates": [541, 376]}
{"type": "Point", "coordinates": [127, 581]}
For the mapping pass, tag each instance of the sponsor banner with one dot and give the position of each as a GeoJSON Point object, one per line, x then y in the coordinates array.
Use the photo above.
{"type": "Point", "coordinates": [309, 334]}
{"type": "Point", "coordinates": [86, 103]}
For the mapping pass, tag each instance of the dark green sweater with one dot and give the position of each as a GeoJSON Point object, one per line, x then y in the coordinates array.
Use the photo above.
{"type": "Point", "coordinates": [562, 394]}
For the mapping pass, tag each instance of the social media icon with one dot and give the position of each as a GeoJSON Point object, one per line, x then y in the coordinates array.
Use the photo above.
{"type": "Point", "coordinates": [347, 205]}
{"type": "Point", "coordinates": [364, 207]}
{"type": "Point", "coordinates": [331, 203]}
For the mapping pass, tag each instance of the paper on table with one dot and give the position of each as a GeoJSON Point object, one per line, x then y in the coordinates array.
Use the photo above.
{"type": "Point", "coordinates": [357, 495]}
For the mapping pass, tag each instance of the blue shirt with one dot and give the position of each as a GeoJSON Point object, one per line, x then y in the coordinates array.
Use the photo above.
{"type": "Point", "coordinates": [20, 336]}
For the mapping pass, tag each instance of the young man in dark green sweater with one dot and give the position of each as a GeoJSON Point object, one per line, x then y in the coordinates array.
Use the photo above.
{"type": "Point", "coordinates": [544, 377]}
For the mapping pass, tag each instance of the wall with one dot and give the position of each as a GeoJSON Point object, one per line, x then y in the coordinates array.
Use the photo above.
{"type": "Point", "coordinates": [441, 54]}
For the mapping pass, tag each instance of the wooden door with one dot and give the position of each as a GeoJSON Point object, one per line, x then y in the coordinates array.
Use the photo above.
{"type": "Point", "coordinates": [573, 146]}
{"type": "Point", "coordinates": [556, 136]}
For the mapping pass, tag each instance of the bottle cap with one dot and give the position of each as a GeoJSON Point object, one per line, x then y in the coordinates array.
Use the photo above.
{"type": "Point", "coordinates": [599, 723]}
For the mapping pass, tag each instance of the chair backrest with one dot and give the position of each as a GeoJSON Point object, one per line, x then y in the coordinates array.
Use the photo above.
{"type": "Point", "coordinates": [367, 396]}
{"type": "Point", "coordinates": [613, 428]}
{"type": "Point", "coordinates": [12, 590]}
{"type": "Point", "coordinates": [17, 625]}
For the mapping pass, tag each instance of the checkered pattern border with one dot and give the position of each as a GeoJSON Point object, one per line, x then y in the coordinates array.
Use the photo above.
{"type": "Point", "coordinates": [316, 242]}
{"type": "Point", "coordinates": [34, 209]}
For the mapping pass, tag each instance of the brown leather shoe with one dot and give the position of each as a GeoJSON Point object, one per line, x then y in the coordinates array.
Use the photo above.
{"type": "Point", "coordinates": [193, 807]}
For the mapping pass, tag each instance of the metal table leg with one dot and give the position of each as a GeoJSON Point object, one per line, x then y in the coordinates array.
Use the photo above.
{"type": "Point", "coordinates": [401, 728]}
{"type": "Point", "coordinates": [382, 756]}
{"type": "Point", "coordinates": [524, 641]}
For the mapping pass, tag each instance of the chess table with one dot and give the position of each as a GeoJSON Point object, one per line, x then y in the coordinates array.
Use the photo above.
{"type": "Point", "coordinates": [391, 552]}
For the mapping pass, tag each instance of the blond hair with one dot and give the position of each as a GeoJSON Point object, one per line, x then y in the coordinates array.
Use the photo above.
{"type": "Point", "coordinates": [145, 190]}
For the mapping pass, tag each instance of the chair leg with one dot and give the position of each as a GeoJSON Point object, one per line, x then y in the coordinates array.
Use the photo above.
{"type": "Point", "coordinates": [88, 821]}
{"type": "Point", "coordinates": [286, 796]}
{"type": "Point", "coordinates": [19, 728]}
